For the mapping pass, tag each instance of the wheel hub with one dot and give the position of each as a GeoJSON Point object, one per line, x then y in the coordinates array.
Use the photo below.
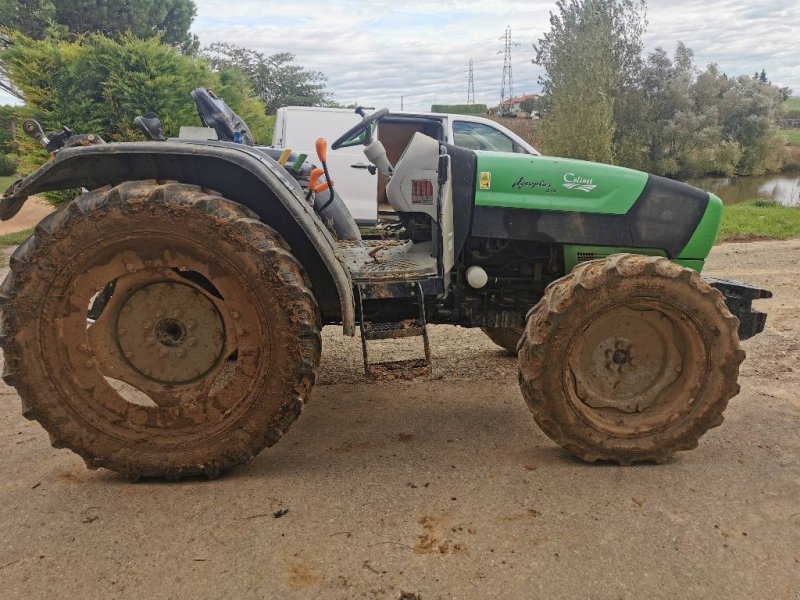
{"type": "Point", "coordinates": [170, 332]}
{"type": "Point", "coordinates": [625, 359]}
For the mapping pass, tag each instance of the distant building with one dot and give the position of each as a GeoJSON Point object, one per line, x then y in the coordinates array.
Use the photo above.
{"type": "Point", "coordinates": [513, 106]}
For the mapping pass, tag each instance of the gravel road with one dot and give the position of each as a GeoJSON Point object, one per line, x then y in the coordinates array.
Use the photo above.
{"type": "Point", "coordinates": [437, 488]}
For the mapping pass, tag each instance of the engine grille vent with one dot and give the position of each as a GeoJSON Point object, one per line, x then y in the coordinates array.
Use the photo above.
{"type": "Point", "coordinates": [586, 256]}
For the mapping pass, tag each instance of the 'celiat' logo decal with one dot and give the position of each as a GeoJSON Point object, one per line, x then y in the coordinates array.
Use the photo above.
{"type": "Point", "coordinates": [572, 182]}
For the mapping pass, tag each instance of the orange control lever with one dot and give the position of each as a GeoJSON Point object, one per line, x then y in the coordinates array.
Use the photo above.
{"type": "Point", "coordinates": [322, 150]}
{"type": "Point", "coordinates": [313, 181]}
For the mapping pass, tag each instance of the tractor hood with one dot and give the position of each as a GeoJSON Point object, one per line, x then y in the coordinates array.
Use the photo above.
{"type": "Point", "coordinates": [577, 202]}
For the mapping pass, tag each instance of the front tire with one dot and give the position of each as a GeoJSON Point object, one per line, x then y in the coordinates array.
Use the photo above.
{"type": "Point", "coordinates": [159, 330]}
{"type": "Point", "coordinates": [628, 359]}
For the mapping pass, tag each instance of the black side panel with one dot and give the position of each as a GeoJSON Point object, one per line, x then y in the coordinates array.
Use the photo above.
{"type": "Point", "coordinates": [666, 215]}
{"type": "Point", "coordinates": [551, 226]}
{"type": "Point", "coordinates": [464, 167]}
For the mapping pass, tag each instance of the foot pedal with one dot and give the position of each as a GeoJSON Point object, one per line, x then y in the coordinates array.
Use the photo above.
{"type": "Point", "coordinates": [391, 330]}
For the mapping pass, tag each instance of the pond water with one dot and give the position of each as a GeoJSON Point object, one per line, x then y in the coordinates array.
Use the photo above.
{"type": "Point", "coordinates": [784, 189]}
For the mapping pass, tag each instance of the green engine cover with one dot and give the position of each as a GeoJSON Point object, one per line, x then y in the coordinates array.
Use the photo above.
{"type": "Point", "coordinates": [549, 183]}
{"type": "Point", "coordinates": [590, 206]}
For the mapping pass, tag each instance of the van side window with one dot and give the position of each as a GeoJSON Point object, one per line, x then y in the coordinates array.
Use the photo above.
{"type": "Point", "coordinates": [477, 136]}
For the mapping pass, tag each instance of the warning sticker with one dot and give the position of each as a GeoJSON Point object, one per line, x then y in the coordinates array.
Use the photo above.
{"type": "Point", "coordinates": [421, 191]}
{"type": "Point", "coordinates": [486, 180]}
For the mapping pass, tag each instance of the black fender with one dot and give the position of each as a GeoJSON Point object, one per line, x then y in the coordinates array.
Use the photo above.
{"type": "Point", "coordinates": [238, 172]}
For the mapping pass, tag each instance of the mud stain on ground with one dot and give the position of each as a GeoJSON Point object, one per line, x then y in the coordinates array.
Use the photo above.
{"type": "Point", "coordinates": [303, 576]}
{"type": "Point", "coordinates": [436, 537]}
{"type": "Point", "coordinates": [349, 447]}
{"type": "Point", "coordinates": [524, 515]}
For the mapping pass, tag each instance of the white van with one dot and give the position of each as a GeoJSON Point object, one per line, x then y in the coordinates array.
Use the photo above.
{"type": "Point", "coordinates": [356, 181]}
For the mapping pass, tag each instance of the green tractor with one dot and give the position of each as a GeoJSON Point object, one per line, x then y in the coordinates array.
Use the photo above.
{"type": "Point", "coordinates": [166, 322]}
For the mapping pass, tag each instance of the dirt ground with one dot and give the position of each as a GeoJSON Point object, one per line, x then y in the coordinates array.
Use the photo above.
{"type": "Point", "coordinates": [33, 211]}
{"type": "Point", "coordinates": [438, 488]}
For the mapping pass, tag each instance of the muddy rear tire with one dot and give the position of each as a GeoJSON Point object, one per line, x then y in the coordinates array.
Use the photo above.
{"type": "Point", "coordinates": [628, 359]}
{"type": "Point", "coordinates": [505, 337]}
{"type": "Point", "coordinates": [203, 353]}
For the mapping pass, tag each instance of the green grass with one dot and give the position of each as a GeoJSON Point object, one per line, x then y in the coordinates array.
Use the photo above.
{"type": "Point", "coordinates": [16, 238]}
{"type": "Point", "coordinates": [759, 220]}
{"type": "Point", "coordinates": [793, 103]}
{"type": "Point", "coordinates": [792, 136]}
{"type": "Point", "coordinates": [9, 240]}
{"type": "Point", "coordinates": [5, 182]}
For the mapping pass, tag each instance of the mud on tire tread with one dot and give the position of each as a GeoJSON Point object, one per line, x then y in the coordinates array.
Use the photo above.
{"type": "Point", "coordinates": [38, 259]}
{"type": "Point", "coordinates": [559, 316]}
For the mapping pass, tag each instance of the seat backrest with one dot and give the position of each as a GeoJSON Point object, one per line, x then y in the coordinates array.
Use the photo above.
{"type": "Point", "coordinates": [215, 113]}
{"type": "Point", "coordinates": [414, 185]}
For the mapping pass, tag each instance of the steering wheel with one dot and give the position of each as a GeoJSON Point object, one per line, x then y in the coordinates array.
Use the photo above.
{"type": "Point", "coordinates": [361, 133]}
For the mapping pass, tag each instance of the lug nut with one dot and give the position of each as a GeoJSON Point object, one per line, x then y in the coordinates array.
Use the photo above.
{"type": "Point", "coordinates": [128, 354]}
{"type": "Point", "coordinates": [148, 324]}
{"type": "Point", "coordinates": [120, 332]}
{"type": "Point", "coordinates": [192, 341]}
{"type": "Point", "coordinates": [235, 314]}
{"type": "Point", "coordinates": [149, 341]}
{"type": "Point", "coordinates": [162, 352]}
{"type": "Point", "coordinates": [181, 353]}
{"type": "Point", "coordinates": [191, 324]}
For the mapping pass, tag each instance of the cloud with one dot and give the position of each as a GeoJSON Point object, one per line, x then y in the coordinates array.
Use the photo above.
{"type": "Point", "coordinates": [375, 51]}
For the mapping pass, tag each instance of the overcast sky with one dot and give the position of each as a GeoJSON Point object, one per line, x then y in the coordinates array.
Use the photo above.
{"type": "Point", "coordinates": [375, 51]}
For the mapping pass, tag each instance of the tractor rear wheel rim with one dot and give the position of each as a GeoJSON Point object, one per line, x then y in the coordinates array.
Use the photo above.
{"type": "Point", "coordinates": [636, 367]}
{"type": "Point", "coordinates": [170, 332]}
{"type": "Point", "coordinates": [108, 356]}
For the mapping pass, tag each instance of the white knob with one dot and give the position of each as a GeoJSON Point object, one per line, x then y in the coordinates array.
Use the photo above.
{"type": "Point", "coordinates": [477, 277]}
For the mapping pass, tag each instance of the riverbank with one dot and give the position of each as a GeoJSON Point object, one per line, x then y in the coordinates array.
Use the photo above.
{"type": "Point", "coordinates": [759, 220]}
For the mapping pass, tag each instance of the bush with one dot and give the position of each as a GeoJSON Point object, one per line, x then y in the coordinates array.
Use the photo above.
{"type": "Point", "coordinates": [61, 197]}
{"type": "Point", "coordinates": [8, 166]}
{"type": "Point", "coordinates": [460, 109]}
{"type": "Point", "coordinates": [528, 129]}
{"type": "Point", "coordinates": [96, 85]}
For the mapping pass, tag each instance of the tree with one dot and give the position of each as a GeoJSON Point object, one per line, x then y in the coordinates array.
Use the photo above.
{"type": "Point", "coordinates": [170, 19]}
{"type": "Point", "coordinates": [95, 84]}
{"type": "Point", "coordinates": [665, 84]}
{"type": "Point", "coordinates": [30, 17]}
{"type": "Point", "coordinates": [748, 111]}
{"type": "Point", "coordinates": [276, 79]}
{"type": "Point", "coordinates": [591, 57]}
